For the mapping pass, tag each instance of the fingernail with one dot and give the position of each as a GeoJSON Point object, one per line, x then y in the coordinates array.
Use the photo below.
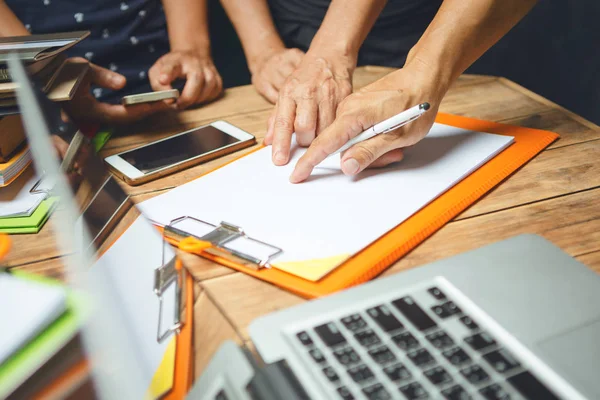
{"type": "Point", "coordinates": [350, 166]}
{"type": "Point", "coordinates": [117, 79]}
{"type": "Point", "coordinates": [279, 157]}
{"type": "Point", "coordinates": [164, 78]}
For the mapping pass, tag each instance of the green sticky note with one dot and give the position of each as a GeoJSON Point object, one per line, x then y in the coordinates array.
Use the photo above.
{"type": "Point", "coordinates": [32, 223]}
{"type": "Point", "coordinates": [101, 138]}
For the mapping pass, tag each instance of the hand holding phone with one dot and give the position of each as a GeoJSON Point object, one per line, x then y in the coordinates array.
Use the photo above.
{"type": "Point", "coordinates": [150, 97]}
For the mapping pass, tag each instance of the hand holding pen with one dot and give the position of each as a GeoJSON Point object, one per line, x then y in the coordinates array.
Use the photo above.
{"type": "Point", "coordinates": [370, 130]}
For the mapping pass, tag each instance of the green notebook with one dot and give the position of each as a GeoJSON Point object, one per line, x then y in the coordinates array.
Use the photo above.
{"type": "Point", "coordinates": [31, 224]}
{"type": "Point", "coordinates": [21, 365]}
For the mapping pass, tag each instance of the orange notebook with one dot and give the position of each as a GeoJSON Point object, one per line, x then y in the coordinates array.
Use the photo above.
{"type": "Point", "coordinates": [389, 247]}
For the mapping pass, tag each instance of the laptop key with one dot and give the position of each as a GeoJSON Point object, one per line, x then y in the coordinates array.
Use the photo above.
{"type": "Point", "coordinates": [440, 340]}
{"type": "Point", "coordinates": [414, 391]}
{"type": "Point", "coordinates": [468, 322]}
{"type": "Point", "coordinates": [530, 387]}
{"type": "Point", "coordinates": [345, 393]}
{"type": "Point", "coordinates": [415, 314]}
{"type": "Point", "coordinates": [304, 338]}
{"type": "Point", "coordinates": [384, 318]}
{"type": "Point", "coordinates": [494, 392]}
{"type": "Point", "coordinates": [317, 356]}
{"type": "Point", "coordinates": [346, 356]}
{"type": "Point", "coordinates": [382, 355]}
{"type": "Point", "coordinates": [367, 338]}
{"type": "Point", "coordinates": [330, 334]}
{"type": "Point", "coordinates": [456, 392]}
{"type": "Point", "coordinates": [480, 341]}
{"type": "Point", "coordinates": [475, 374]}
{"type": "Point", "coordinates": [331, 374]}
{"type": "Point", "coordinates": [397, 372]}
{"type": "Point", "coordinates": [360, 373]}
{"type": "Point", "coordinates": [437, 293]}
{"type": "Point", "coordinates": [456, 356]}
{"type": "Point", "coordinates": [376, 392]}
{"type": "Point", "coordinates": [438, 376]}
{"type": "Point", "coordinates": [446, 310]}
{"type": "Point", "coordinates": [501, 360]}
{"type": "Point", "coordinates": [406, 341]}
{"type": "Point", "coordinates": [354, 322]}
{"type": "Point", "coordinates": [421, 358]}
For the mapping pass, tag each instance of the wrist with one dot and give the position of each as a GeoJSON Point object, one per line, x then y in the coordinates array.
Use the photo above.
{"type": "Point", "coordinates": [199, 46]}
{"type": "Point", "coordinates": [263, 49]}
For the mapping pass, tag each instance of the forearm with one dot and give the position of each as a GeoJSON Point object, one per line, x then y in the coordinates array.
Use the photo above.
{"type": "Point", "coordinates": [9, 23]}
{"type": "Point", "coordinates": [460, 33]}
{"type": "Point", "coordinates": [254, 25]}
{"type": "Point", "coordinates": [187, 24]}
{"type": "Point", "coordinates": [345, 27]}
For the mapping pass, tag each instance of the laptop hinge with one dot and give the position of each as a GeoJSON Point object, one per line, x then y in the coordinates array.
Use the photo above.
{"type": "Point", "coordinates": [274, 382]}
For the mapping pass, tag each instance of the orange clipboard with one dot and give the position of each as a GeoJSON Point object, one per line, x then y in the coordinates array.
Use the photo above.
{"type": "Point", "coordinates": [382, 253]}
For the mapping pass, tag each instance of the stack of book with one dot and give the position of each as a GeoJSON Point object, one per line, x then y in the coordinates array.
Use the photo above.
{"type": "Point", "coordinates": [46, 62]}
{"type": "Point", "coordinates": [41, 354]}
{"type": "Point", "coordinates": [14, 154]}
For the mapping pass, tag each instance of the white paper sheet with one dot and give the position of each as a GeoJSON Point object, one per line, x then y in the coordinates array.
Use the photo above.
{"type": "Point", "coordinates": [330, 214]}
{"type": "Point", "coordinates": [16, 200]}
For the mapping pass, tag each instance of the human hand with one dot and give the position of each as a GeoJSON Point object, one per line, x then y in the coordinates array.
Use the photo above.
{"type": "Point", "coordinates": [85, 108]}
{"type": "Point", "coordinates": [270, 72]}
{"type": "Point", "coordinates": [203, 82]}
{"type": "Point", "coordinates": [307, 102]}
{"type": "Point", "coordinates": [358, 112]}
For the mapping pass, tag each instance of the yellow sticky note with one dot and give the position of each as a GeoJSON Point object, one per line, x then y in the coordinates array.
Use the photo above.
{"type": "Point", "coordinates": [312, 270]}
{"type": "Point", "coordinates": [163, 378]}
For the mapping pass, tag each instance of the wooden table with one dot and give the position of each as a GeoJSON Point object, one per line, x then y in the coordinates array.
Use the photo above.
{"type": "Point", "coordinates": [556, 195]}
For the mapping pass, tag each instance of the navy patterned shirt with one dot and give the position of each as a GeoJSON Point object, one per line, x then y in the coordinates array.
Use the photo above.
{"type": "Point", "coordinates": [127, 36]}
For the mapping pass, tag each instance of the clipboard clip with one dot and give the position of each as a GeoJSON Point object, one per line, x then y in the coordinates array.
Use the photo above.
{"type": "Point", "coordinates": [170, 273]}
{"type": "Point", "coordinates": [227, 241]}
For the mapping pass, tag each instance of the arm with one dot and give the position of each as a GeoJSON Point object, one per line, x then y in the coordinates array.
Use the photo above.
{"type": "Point", "coordinates": [307, 103]}
{"type": "Point", "coordinates": [190, 56]}
{"type": "Point", "coordinates": [269, 61]}
{"type": "Point", "coordinates": [459, 34]}
{"type": "Point", "coordinates": [9, 23]}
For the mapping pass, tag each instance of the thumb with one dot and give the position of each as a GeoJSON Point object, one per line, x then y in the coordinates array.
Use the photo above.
{"type": "Point", "coordinates": [378, 151]}
{"type": "Point", "coordinates": [106, 78]}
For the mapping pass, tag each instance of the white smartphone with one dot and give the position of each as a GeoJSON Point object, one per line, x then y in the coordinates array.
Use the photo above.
{"type": "Point", "coordinates": [150, 97]}
{"type": "Point", "coordinates": [178, 152]}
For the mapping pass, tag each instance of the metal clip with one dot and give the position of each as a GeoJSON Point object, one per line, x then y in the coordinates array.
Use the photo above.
{"type": "Point", "coordinates": [170, 273]}
{"type": "Point", "coordinates": [222, 239]}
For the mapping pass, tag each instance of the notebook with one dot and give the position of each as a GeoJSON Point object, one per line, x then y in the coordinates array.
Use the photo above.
{"type": "Point", "coordinates": [33, 307]}
{"type": "Point", "coordinates": [371, 260]}
{"type": "Point", "coordinates": [38, 47]}
{"type": "Point", "coordinates": [32, 223]}
{"type": "Point", "coordinates": [17, 199]}
{"type": "Point", "coordinates": [41, 323]}
{"type": "Point", "coordinates": [323, 222]}
{"type": "Point", "coordinates": [11, 169]}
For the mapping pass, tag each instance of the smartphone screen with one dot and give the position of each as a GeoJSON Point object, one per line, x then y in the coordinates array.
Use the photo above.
{"type": "Point", "coordinates": [177, 149]}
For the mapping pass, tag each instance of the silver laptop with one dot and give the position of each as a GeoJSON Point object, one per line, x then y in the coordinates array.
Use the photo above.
{"type": "Point", "coordinates": [512, 320]}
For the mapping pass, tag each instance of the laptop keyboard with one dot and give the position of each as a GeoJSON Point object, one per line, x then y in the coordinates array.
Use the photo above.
{"type": "Point", "coordinates": [425, 349]}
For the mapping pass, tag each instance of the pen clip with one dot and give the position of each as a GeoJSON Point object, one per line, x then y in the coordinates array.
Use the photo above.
{"type": "Point", "coordinates": [401, 124]}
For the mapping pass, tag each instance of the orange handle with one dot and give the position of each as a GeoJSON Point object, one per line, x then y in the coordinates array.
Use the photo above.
{"type": "Point", "coordinates": [4, 245]}
{"type": "Point", "coordinates": [193, 245]}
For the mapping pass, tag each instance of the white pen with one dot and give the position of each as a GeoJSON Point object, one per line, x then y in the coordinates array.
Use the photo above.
{"type": "Point", "coordinates": [388, 125]}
